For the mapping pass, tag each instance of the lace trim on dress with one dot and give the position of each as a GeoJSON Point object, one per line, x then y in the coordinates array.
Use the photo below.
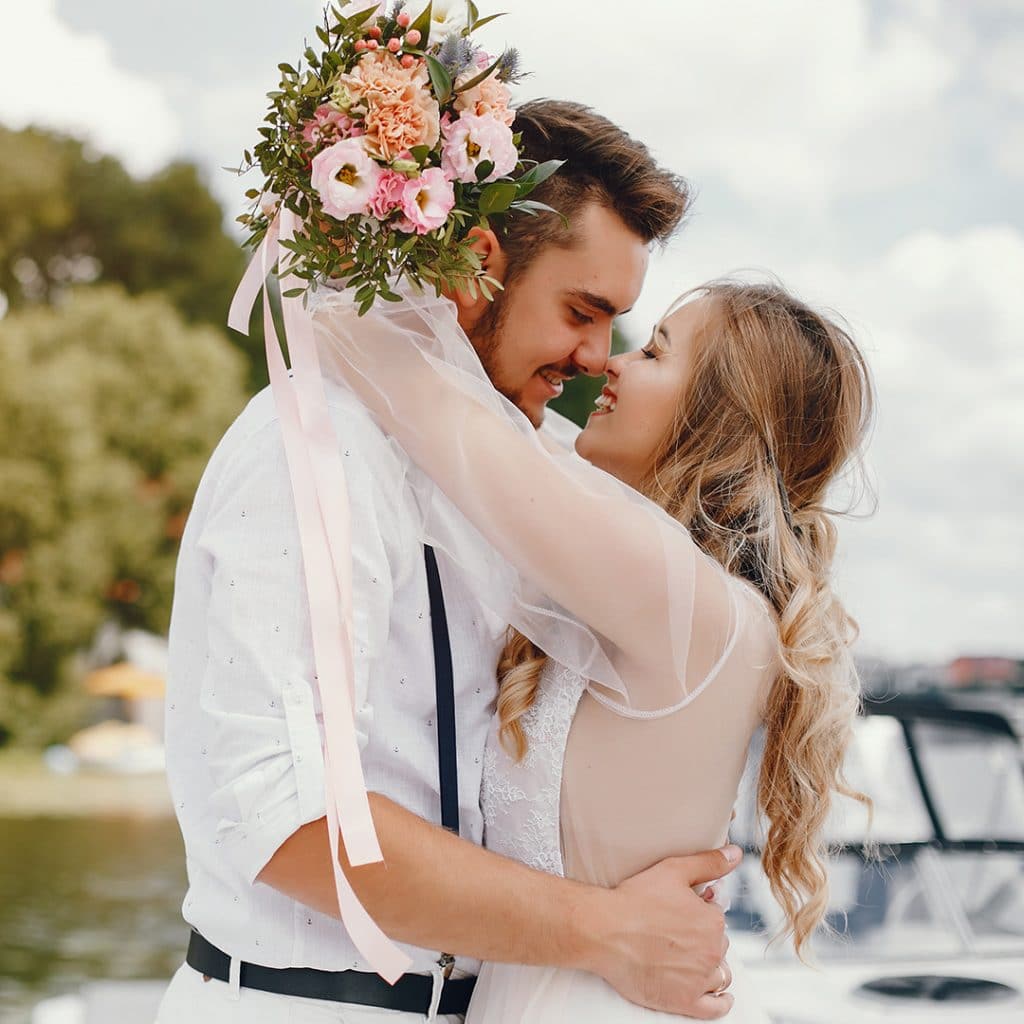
{"type": "Point", "coordinates": [521, 800]}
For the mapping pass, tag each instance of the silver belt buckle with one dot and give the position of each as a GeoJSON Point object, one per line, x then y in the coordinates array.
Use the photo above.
{"type": "Point", "coordinates": [447, 964]}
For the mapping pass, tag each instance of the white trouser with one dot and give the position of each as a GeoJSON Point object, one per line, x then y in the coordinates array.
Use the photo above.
{"type": "Point", "coordinates": [190, 1000]}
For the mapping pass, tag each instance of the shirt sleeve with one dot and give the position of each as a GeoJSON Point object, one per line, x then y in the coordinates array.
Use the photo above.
{"type": "Point", "coordinates": [259, 700]}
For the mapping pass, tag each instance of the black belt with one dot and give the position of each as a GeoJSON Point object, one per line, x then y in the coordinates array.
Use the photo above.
{"type": "Point", "coordinates": [411, 993]}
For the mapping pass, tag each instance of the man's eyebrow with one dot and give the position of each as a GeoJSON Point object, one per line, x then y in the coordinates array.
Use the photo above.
{"type": "Point", "coordinates": [596, 302]}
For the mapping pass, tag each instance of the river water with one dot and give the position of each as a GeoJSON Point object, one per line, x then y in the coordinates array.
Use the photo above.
{"type": "Point", "coordinates": [84, 898]}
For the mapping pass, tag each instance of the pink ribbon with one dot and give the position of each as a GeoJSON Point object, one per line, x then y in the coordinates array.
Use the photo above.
{"type": "Point", "coordinates": [322, 510]}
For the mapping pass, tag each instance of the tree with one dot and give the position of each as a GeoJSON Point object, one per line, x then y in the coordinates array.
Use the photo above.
{"type": "Point", "coordinates": [68, 216]}
{"type": "Point", "coordinates": [109, 407]}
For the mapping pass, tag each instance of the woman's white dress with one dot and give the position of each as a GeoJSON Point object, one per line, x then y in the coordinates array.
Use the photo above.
{"type": "Point", "coordinates": [523, 804]}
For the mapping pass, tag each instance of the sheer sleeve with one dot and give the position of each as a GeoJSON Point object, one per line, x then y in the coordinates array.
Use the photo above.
{"type": "Point", "coordinates": [598, 576]}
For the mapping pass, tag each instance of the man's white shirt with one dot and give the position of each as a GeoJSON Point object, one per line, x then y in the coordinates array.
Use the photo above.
{"type": "Point", "coordinates": [244, 731]}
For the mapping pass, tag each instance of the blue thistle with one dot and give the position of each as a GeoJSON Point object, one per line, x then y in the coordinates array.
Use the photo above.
{"type": "Point", "coordinates": [456, 54]}
{"type": "Point", "coordinates": [510, 66]}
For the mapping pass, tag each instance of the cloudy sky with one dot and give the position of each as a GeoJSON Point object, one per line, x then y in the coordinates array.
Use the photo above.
{"type": "Point", "coordinates": [871, 153]}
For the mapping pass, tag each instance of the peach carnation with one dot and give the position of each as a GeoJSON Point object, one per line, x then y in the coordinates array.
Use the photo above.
{"type": "Point", "coordinates": [381, 72]}
{"type": "Point", "coordinates": [401, 112]}
{"type": "Point", "coordinates": [491, 97]}
{"type": "Point", "coordinates": [396, 124]}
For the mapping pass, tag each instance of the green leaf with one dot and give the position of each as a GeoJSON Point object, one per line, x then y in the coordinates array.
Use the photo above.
{"type": "Point", "coordinates": [532, 204]}
{"type": "Point", "coordinates": [498, 197]}
{"type": "Point", "coordinates": [287, 69]}
{"type": "Point", "coordinates": [487, 20]}
{"type": "Point", "coordinates": [420, 154]}
{"type": "Point", "coordinates": [355, 20]}
{"type": "Point", "coordinates": [535, 175]}
{"type": "Point", "coordinates": [484, 169]}
{"type": "Point", "coordinates": [474, 14]}
{"type": "Point", "coordinates": [292, 293]}
{"type": "Point", "coordinates": [477, 79]}
{"type": "Point", "coordinates": [440, 80]}
{"type": "Point", "coordinates": [531, 208]}
{"type": "Point", "coordinates": [422, 24]}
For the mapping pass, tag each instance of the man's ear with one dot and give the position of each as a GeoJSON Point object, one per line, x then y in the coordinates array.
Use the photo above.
{"type": "Point", "coordinates": [486, 245]}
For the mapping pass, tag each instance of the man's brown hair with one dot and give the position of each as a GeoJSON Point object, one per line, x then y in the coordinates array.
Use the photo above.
{"type": "Point", "coordinates": [602, 164]}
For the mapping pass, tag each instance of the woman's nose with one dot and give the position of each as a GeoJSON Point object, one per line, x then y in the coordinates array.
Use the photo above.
{"type": "Point", "coordinates": [616, 363]}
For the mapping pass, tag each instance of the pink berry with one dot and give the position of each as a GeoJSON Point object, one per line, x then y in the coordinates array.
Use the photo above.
{"type": "Point", "coordinates": [394, 45]}
{"type": "Point", "coordinates": [360, 45]}
{"type": "Point", "coordinates": [413, 37]}
{"type": "Point", "coordinates": [375, 32]}
{"type": "Point", "coordinates": [372, 44]}
{"type": "Point", "coordinates": [408, 60]}
{"type": "Point", "coordinates": [404, 19]}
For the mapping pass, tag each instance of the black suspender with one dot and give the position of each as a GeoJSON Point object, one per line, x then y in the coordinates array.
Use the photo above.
{"type": "Point", "coordinates": [444, 682]}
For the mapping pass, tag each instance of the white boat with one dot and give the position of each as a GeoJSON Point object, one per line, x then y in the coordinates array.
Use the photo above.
{"type": "Point", "coordinates": [928, 929]}
{"type": "Point", "coordinates": [928, 925]}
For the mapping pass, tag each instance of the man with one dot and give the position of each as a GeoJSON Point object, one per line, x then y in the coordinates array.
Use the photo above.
{"type": "Point", "coordinates": [243, 737]}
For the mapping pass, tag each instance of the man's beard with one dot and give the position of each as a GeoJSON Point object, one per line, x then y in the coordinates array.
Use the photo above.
{"type": "Point", "coordinates": [486, 337]}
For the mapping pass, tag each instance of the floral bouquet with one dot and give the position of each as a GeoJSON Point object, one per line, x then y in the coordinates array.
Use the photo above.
{"type": "Point", "coordinates": [389, 147]}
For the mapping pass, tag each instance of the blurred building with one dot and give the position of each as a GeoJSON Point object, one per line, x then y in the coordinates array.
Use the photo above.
{"type": "Point", "coordinates": [1001, 672]}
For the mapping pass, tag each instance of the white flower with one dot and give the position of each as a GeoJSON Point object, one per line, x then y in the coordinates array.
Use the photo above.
{"type": "Point", "coordinates": [346, 178]}
{"type": "Point", "coordinates": [447, 18]}
{"type": "Point", "coordinates": [474, 139]}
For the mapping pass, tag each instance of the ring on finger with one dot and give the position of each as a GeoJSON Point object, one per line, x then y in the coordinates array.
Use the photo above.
{"type": "Point", "coordinates": [720, 991]}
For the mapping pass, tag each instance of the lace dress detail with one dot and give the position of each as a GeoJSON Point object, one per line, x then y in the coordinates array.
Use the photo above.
{"type": "Point", "coordinates": [521, 800]}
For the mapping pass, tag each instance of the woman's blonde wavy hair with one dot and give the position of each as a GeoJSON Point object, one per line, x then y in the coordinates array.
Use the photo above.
{"type": "Point", "coordinates": [778, 406]}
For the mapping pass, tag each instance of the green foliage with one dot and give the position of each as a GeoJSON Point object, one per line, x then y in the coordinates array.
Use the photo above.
{"type": "Point", "coordinates": [109, 406]}
{"type": "Point", "coordinates": [69, 217]}
{"type": "Point", "coordinates": [576, 402]}
{"type": "Point", "coordinates": [368, 254]}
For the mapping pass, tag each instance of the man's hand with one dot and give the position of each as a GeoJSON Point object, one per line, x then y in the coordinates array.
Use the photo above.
{"type": "Point", "coordinates": [659, 944]}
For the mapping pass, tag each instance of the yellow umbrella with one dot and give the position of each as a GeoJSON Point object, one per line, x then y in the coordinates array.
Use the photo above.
{"type": "Point", "coordinates": [124, 680]}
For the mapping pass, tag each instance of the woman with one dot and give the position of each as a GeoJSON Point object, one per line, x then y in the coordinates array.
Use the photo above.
{"type": "Point", "coordinates": [678, 580]}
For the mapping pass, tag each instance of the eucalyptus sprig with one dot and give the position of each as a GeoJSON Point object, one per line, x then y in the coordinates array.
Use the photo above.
{"type": "Point", "coordinates": [369, 215]}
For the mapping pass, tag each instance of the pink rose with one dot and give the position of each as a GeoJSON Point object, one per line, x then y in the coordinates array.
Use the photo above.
{"type": "Point", "coordinates": [346, 177]}
{"type": "Point", "coordinates": [491, 96]}
{"type": "Point", "coordinates": [471, 140]}
{"type": "Point", "coordinates": [427, 200]}
{"type": "Point", "coordinates": [328, 125]}
{"type": "Point", "coordinates": [388, 196]}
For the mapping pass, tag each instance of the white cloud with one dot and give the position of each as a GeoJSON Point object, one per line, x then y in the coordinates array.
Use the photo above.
{"type": "Point", "coordinates": [786, 115]}
{"type": "Point", "coordinates": [1003, 63]}
{"type": "Point", "coordinates": [66, 80]}
{"type": "Point", "coordinates": [792, 103]}
{"type": "Point", "coordinates": [940, 569]}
